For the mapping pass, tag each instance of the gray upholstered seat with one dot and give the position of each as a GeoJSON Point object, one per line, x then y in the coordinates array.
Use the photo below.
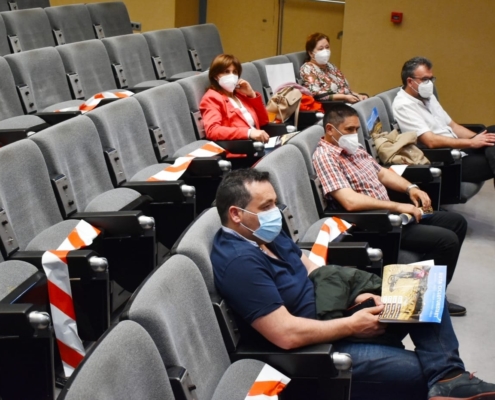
{"type": "Point", "coordinates": [112, 16]}
{"type": "Point", "coordinates": [261, 65]}
{"type": "Point", "coordinates": [122, 126]}
{"type": "Point", "coordinates": [250, 73]}
{"type": "Point", "coordinates": [388, 99]}
{"type": "Point", "coordinates": [4, 5]}
{"type": "Point", "coordinates": [11, 112]}
{"type": "Point", "coordinates": [90, 61]}
{"type": "Point", "coordinates": [12, 274]}
{"type": "Point", "coordinates": [133, 55]}
{"type": "Point", "coordinates": [85, 167]}
{"type": "Point", "coordinates": [124, 365]}
{"type": "Point", "coordinates": [73, 21]}
{"type": "Point", "coordinates": [205, 39]}
{"type": "Point", "coordinates": [4, 44]}
{"type": "Point", "coordinates": [26, 193]}
{"type": "Point", "coordinates": [174, 308]}
{"type": "Point", "coordinates": [25, 4]}
{"type": "Point", "coordinates": [43, 72]}
{"type": "Point", "coordinates": [297, 59]}
{"type": "Point", "coordinates": [166, 107]}
{"type": "Point", "coordinates": [31, 27]}
{"type": "Point", "coordinates": [171, 47]}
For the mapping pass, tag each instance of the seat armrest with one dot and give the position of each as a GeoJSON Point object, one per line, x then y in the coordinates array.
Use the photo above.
{"type": "Point", "coordinates": [53, 118]}
{"type": "Point", "coordinates": [439, 155]}
{"type": "Point", "coordinates": [202, 166]}
{"type": "Point", "coordinates": [15, 320]}
{"type": "Point", "coordinates": [8, 136]}
{"type": "Point", "coordinates": [375, 220]}
{"type": "Point", "coordinates": [274, 129]}
{"type": "Point", "coordinates": [477, 128]}
{"type": "Point", "coordinates": [162, 191]}
{"type": "Point", "coordinates": [238, 146]}
{"type": "Point", "coordinates": [113, 222]}
{"type": "Point", "coordinates": [345, 253]}
{"type": "Point", "coordinates": [79, 263]}
{"type": "Point", "coordinates": [418, 173]}
{"type": "Point", "coordinates": [305, 362]}
{"type": "Point", "coordinates": [33, 290]}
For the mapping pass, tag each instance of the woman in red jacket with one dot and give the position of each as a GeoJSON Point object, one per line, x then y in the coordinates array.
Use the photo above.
{"type": "Point", "coordinates": [231, 109]}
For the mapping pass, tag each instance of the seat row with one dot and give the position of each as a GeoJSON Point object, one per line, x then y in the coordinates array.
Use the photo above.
{"type": "Point", "coordinates": [7, 5]}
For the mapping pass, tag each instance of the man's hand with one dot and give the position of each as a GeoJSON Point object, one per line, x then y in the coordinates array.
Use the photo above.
{"type": "Point", "coordinates": [364, 323]}
{"type": "Point", "coordinates": [258, 135]}
{"type": "Point", "coordinates": [365, 296]}
{"type": "Point", "coordinates": [420, 198]}
{"type": "Point", "coordinates": [483, 139]}
{"type": "Point", "coordinates": [411, 210]}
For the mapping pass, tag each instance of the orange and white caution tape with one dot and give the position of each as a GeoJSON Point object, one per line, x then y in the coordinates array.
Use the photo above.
{"type": "Point", "coordinates": [330, 230]}
{"type": "Point", "coordinates": [62, 307]}
{"type": "Point", "coordinates": [92, 102]}
{"type": "Point", "coordinates": [175, 171]}
{"type": "Point", "coordinates": [268, 384]}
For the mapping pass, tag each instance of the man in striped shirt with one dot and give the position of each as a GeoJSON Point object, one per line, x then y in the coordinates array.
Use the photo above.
{"type": "Point", "coordinates": [352, 179]}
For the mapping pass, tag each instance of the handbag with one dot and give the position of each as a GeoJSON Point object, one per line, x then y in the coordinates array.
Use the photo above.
{"type": "Point", "coordinates": [285, 103]}
{"type": "Point", "coordinates": [395, 148]}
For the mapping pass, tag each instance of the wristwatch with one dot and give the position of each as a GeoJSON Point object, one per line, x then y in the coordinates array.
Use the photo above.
{"type": "Point", "coordinates": [411, 187]}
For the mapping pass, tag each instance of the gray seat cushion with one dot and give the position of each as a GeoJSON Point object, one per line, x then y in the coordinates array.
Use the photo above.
{"type": "Point", "coordinates": [148, 172]}
{"type": "Point", "coordinates": [12, 274]}
{"type": "Point", "coordinates": [188, 148]}
{"type": "Point", "coordinates": [53, 237]}
{"type": "Point", "coordinates": [63, 104]}
{"type": "Point", "coordinates": [312, 232]}
{"type": "Point", "coordinates": [21, 122]}
{"type": "Point", "coordinates": [469, 189]}
{"type": "Point", "coordinates": [151, 83]}
{"type": "Point", "coordinates": [182, 75]}
{"type": "Point", "coordinates": [112, 200]}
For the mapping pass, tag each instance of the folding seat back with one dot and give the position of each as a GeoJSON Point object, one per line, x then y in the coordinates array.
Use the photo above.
{"type": "Point", "coordinates": [261, 65]}
{"type": "Point", "coordinates": [132, 56]}
{"type": "Point", "coordinates": [25, 192]}
{"type": "Point", "coordinates": [84, 168]}
{"type": "Point", "coordinates": [42, 71]}
{"type": "Point", "coordinates": [25, 4]}
{"type": "Point", "coordinates": [4, 42]}
{"type": "Point", "coordinates": [168, 46]}
{"type": "Point", "coordinates": [297, 59]}
{"type": "Point", "coordinates": [4, 5]}
{"type": "Point", "coordinates": [10, 105]}
{"type": "Point", "coordinates": [125, 364]}
{"type": "Point", "coordinates": [194, 88]}
{"type": "Point", "coordinates": [388, 99]}
{"type": "Point", "coordinates": [70, 23]}
{"type": "Point", "coordinates": [111, 17]}
{"type": "Point", "coordinates": [174, 308]}
{"type": "Point", "coordinates": [166, 108]}
{"type": "Point", "coordinates": [204, 44]}
{"type": "Point", "coordinates": [250, 73]}
{"type": "Point", "coordinates": [122, 126]}
{"type": "Point", "coordinates": [88, 63]}
{"type": "Point", "coordinates": [28, 29]}
{"type": "Point", "coordinates": [289, 177]}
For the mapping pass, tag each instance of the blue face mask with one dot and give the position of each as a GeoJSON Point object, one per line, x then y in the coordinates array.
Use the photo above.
{"type": "Point", "coordinates": [270, 224]}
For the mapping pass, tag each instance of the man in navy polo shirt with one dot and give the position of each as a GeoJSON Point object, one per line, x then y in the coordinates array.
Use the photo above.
{"type": "Point", "coordinates": [263, 276]}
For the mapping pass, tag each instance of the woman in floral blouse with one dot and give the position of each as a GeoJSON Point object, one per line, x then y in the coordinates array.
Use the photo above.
{"type": "Point", "coordinates": [323, 78]}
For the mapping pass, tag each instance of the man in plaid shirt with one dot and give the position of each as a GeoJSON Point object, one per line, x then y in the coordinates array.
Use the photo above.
{"type": "Point", "coordinates": [352, 179]}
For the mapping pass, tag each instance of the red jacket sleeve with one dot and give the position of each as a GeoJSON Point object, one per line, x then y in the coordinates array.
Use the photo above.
{"type": "Point", "coordinates": [223, 122]}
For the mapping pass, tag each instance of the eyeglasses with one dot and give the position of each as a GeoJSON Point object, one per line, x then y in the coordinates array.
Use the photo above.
{"type": "Point", "coordinates": [425, 79]}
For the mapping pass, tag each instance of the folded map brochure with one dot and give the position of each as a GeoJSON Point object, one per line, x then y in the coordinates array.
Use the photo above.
{"type": "Point", "coordinates": [413, 293]}
{"type": "Point", "coordinates": [277, 141]}
{"type": "Point", "coordinates": [373, 123]}
{"type": "Point", "coordinates": [409, 219]}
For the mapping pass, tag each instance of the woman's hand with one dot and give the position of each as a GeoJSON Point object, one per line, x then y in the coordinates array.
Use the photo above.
{"type": "Point", "coordinates": [258, 135]}
{"type": "Point", "coordinates": [350, 98]}
{"type": "Point", "coordinates": [245, 88]}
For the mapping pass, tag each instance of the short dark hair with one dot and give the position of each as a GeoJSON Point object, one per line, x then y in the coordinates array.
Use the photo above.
{"type": "Point", "coordinates": [337, 114]}
{"type": "Point", "coordinates": [219, 64]}
{"type": "Point", "coordinates": [410, 66]}
{"type": "Point", "coordinates": [232, 191]}
{"type": "Point", "coordinates": [311, 42]}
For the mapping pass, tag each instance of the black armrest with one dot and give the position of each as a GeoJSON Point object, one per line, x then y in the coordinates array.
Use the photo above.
{"type": "Point", "coordinates": [77, 261]}
{"type": "Point", "coordinates": [439, 155]}
{"type": "Point", "coordinates": [305, 362]}
{"type": "Point", "coordinates": [113, 222]}
{"type": "Point", "coordinates": [201, 166]}
{"type": "Point", "coordinates": [8, 136]}
{"type": "Point", "coordinates": [14, 319]}
{"type": "Point", "coordinates": [238, 146]}
{"type": "Point", "coordinates": [163, 191]}
{"type": "Point", "coordinates": [274, 129]}
{"type": "Point", "coordinates": [344, 253]}
{"type": "Point", "coordinates": [182, 385]}
{"type": "Point", "coordinates": [418, 173]}
{"type": "Point", "coordinates": [375, 220]}
{"type": "Point", "coordinates": [53, 118]}
{"type": "Point", "coordinates": [33, 290]}
{"type": "Point", "coordinates": [477, 128]}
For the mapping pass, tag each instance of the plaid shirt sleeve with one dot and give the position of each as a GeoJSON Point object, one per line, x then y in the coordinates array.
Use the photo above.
{"type": "Point", "coordinates": [329, 173]}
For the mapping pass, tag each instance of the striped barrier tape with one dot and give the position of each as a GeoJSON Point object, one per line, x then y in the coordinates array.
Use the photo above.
{"type": "Point", "coordinates": [268, 384]}
{"type": "Point", "coordinates": [330, 230]}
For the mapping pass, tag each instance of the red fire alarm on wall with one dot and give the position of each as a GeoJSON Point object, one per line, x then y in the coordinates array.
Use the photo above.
{"type": "Point", "coordinates": [396, 17]}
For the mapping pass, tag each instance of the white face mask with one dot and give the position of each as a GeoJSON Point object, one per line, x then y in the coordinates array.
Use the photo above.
{"type": "Point", "coordinates": [350, 142]}
{"type": "Point", "coordinates": [228, 82]}
{"type": "Point", "coordinates": [322, 56]}
{"type": "Point", "coordinates": [425, 89]}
